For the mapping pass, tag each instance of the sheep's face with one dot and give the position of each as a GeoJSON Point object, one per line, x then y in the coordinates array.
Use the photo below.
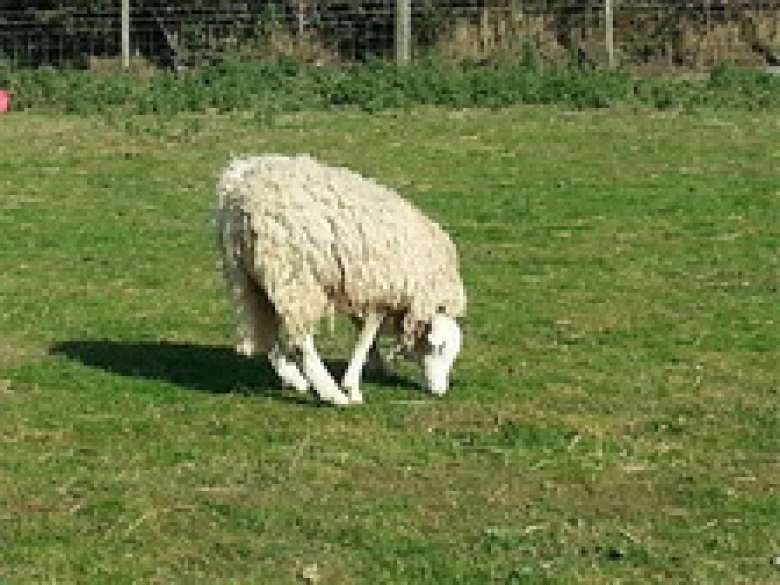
{"type": "Point", "coordinates": [442, 345]}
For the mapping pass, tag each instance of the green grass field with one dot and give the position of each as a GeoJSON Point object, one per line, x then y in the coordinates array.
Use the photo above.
{"type": "Point", "coordinates": [614, 416]}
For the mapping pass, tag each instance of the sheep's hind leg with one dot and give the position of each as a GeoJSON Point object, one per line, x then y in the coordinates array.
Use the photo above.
{"type": "Point", "coordinates": [316, 373]}
{"type": "Point", "coordinates": [258, 327]}
{"type": "Point", "coordinates": [351, 381]}
{"type": "Point", "coordinates": [287, 370]}
{"type": "Point", "coordinates": [255, 316]}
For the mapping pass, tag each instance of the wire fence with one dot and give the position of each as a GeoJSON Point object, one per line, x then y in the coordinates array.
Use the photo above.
{"type": "Point", "coordinates": [188, 34]}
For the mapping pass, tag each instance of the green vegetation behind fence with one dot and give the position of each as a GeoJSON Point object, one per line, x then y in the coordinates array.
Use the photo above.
{"type": "Point", "coordinates": [273, 86]}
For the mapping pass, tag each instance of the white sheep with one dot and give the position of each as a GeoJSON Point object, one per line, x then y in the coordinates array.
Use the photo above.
{"type": "Point", "coordinates": [300, 240]}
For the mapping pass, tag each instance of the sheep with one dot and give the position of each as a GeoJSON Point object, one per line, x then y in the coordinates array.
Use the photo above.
{"type": "Point", "coordinates": [300, 240]}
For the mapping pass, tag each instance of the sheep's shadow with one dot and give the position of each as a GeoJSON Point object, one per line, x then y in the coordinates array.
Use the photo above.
{"type": "Point", "coordinates": [202, 368]}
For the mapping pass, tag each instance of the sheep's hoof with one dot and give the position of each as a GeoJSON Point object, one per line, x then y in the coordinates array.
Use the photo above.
{"type": "Point", "coordinates": [352, 390]}
{"type": "Point", "coordinates": [246, 348]}
{"type": "Point", "coordinates": [355, 397]}
{"type": "Point", "coordinates": [300, 386]}
{"type": "Point", "coordinates": [336, 399]}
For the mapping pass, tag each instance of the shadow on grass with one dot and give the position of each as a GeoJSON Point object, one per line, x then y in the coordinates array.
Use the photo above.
{"type": "Point", "coordinates": [203, 368]}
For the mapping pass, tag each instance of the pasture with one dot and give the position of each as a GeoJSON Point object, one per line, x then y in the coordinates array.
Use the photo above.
{"type": "Point", "coordinates": [614, 416]}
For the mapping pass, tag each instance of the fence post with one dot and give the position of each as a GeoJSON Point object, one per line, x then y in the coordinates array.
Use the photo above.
{"type": "Point", "coordinates": [301, 20]}
{"type": "Point", "coordinates": [126, 34]}
{"type": "Point", "coordinates": [403, 31]}
{"type": "Point", "coordinates": [610, 33]}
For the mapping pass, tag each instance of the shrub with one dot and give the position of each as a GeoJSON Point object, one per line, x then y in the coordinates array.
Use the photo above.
{"type": "Point", "coordinates": [285, 85]}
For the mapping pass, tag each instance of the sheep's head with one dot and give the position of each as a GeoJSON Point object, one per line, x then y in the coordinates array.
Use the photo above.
{"type": "Point", "coordinates": [438, 351]}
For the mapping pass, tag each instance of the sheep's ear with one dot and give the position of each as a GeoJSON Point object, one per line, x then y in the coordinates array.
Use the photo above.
{"type": "Point", "coordinates": [435, 345]}
{"type": "Point", "coordinates": [435, 342]}
{"type": "Point", "coordinates": [431, 337]}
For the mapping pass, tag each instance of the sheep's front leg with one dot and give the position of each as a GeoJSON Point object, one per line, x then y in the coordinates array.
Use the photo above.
{"type": "Point", "coordinates": [287, 370]}
{"type": "Point", "coordinates": [316, 373]}
{"type": "Point", "coordinates": [351, 381]}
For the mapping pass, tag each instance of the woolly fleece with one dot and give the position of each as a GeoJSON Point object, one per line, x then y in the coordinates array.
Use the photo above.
{"type": "Point", "coordinates": [314, 239]}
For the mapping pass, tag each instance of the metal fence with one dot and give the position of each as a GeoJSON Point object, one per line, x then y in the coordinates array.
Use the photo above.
{"type": "Point", "coordinates": [691, 34]}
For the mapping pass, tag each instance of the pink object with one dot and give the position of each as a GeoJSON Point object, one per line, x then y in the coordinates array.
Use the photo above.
{"type": "Point", "coordinates": [5, 101]}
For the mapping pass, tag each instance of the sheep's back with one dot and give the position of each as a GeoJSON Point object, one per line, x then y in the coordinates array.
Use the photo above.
{"type": "Point", "coordinates": [361, 242]}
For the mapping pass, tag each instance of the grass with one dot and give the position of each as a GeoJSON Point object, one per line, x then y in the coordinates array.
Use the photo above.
{"type": "Point", "coordinates": [268, 88]}
{"type": "Point", "coordinates": [613, 418]}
